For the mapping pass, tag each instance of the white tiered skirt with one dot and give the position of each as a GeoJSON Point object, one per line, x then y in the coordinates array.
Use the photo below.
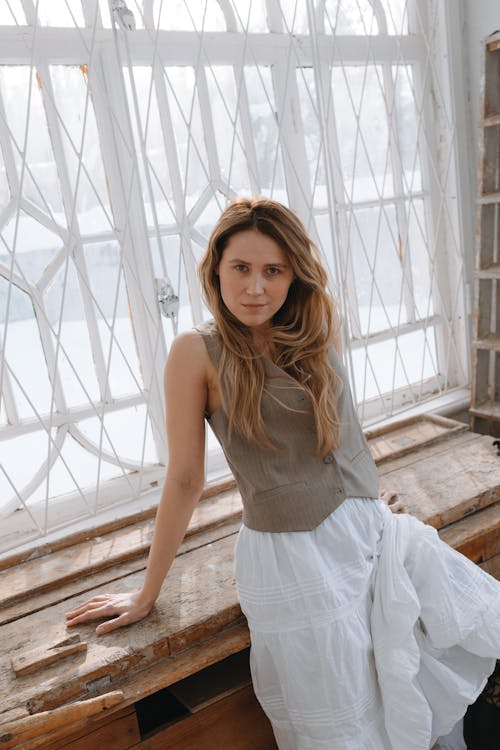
{"type": "Point", "coordinates": [368, 633]}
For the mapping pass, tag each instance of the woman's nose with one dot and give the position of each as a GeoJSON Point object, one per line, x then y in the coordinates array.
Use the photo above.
{"type": "Point", "coordinates": [255, 284]}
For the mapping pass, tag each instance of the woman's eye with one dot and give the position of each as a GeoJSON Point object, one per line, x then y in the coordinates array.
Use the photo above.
{"type": "Point", "coordinates": [240, 267]}
{"type": "Point", "coordinates": [273, 271]}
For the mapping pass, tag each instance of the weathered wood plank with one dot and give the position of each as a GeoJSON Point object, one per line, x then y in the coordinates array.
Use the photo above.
{"type": "Point", "coordinates": [36, 659]}
{"type": "Point", "coordinates": [410, 434]}
{"type": "Point", "coordinates": [82, 584]}
{"type": "Point", "coordinates": [118, 732]}
{"type": "Point", "coordinates": [123, 721]}
{"type": "Point", "coordinates": [198, 599]}
{"type": "Point", "coordinates": [477, 536]}
{"type": "Point", "coordinates": [18, 732]}
{"type": "Point", "coordinates": [493, 42]}
{"type": "Point", "coordinates": [442, 483]}
{"type": "Point", "coordinates": [40, 549]}
{"type": "Point", "coordinates": [87, 557]}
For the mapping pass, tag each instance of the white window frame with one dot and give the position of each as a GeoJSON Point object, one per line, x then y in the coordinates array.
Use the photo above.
{"type": "Point", "coordinates": [104, 51]}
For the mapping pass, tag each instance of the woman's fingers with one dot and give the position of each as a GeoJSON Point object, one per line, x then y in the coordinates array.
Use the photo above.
{"type": "Point", "coordinates": [119, 609]}
{"type": "Point", "coordinates": [94, 602]}
{"type": "Point", "coordinates": [116, 622]}
{"type": "Point", "coordinates": [396, 507]}
{"type": "Point", "coordinates": [386, 496]}
{"type": "Point", "coordinates": [87, 610]}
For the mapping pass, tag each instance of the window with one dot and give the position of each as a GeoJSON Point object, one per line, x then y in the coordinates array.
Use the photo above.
{"type": "Point", "coordinates": [118, 150]}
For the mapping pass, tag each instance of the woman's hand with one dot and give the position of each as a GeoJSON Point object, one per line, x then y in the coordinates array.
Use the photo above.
{"type": "Point", "coordinates": [124, 609]}
{"type": "Point", "coordinates": [386, 496]}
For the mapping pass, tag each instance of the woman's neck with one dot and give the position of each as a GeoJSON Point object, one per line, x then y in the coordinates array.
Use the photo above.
{"type": "Point", "coordinates": [262, 341]}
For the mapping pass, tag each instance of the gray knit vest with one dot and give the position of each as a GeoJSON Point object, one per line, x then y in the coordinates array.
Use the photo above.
{"type": "Point", "coordinates": [291, 488]}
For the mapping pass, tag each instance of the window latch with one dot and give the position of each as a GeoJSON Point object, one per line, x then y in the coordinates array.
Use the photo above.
{"type": "Point", "coordinates": [169, 301]}
{"type": "Point", "coordinates": [122, 15]}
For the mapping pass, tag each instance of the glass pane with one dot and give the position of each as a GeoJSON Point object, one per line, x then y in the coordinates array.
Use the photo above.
{"type": "Point", "coordinates": [4, 186]}
{"type": "Point", "coordinates": [188, 128]}
{"type": "Point", "coordinates": [105, 15]}
{"type": "Point", "coordinates": [24, 356]}
{"type": "Point", "coordinates": [294, 13]}
{"type": "Point", "coordinates": [60, 12]}
{"type": "Point", "coordinates": [162, 210]}
{"type": "Point", "coordinates": [188, 15]}
{"type": "Point", "coordinates": [32, 245]}
{"type": "Point", "coordinates": [350, 17]}
{"type": "Point", "coordinates": [421, 267]}
{"type": "Point", "coordinates": [251, 15]}
{"type": "Point", "coordinates": [11, 12]}
{"type": "Point", "coordinates": [361, 115]}
{"type": "Point", "coordinates": [207, 220]}
{"type": "Point", "coordinates": [177, 274]}
{"type": "Point", "coordinates": [229, 138]}
{"type": "Point", "coordinates": [75, 361]}
{"type": "Point", "coordinates": [125, 434]}
{"type": "Point", "coordinates": [376, 267]}
{"type": "Point", "coordinates": [82, 147]}
{"type": "Point", "coordinates": [313, 136]}
{"type": "Point", "coordinates": [326, 242]}
{"type": "Point", "coordinates": [365, 17]}
{"type": "Point", "coordinates": [107, 286]}
{"type": "Point", "coordinates": [396, 15]}
{"type": "Point", "coordinates": [15, 466]}
{"type": "Point", "coordinates": [265, 131]}
{"type": "Point", "coordinates": [3, 413]}
{"type": "Point", "coordinates": [164, 251]}
{"type": "Point", "coordinates": [25, 113]}
{"type": "Point", "coordinates": [75, 470]}
{"type": "Point", "coordinates": [408, 124]}
{"type": "Point", "coordinates": [395, 363]}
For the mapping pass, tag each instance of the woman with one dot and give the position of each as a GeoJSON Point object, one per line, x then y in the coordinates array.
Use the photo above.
{"type": "Point", "coordinates": [354, 645]}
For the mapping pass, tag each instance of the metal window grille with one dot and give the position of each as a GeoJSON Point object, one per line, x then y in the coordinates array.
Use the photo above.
{"type": "Point", "coordinates": [124, 131]}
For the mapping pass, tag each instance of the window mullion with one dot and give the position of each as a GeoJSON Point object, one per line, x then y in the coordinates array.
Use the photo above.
{"type": "Point", "coordinates": [30, 12]}
{"type": "Point", "coordinates": [246, 129]}
{"type": "Point", "coordinates": [91, 13]}
{"type": "Point", "coordinates": [399, 191]}
{"type": "Point", "coordinates": [347, 294]}
{"type": "Point", "coordinates": [120, 163]}
{"type": "Point", "coordinates": [440, 211]}
{"type": "Point", "coordinates": [7, 394]}
{"type": "Point", "coordinates": [169, 141]}
{"type": "Point", "coordinates": [291, 136]}
{"type": "Point", "coordinates": [7, 152]}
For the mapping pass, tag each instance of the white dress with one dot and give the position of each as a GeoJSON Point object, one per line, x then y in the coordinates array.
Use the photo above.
{"type": "Point", "coordinates": [367, 633]}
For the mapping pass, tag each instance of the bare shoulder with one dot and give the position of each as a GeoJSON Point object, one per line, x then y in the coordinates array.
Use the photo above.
{"type": "Point", "coordinates": [186, 373]}
{"type": "Point", "coordinates": [188, 350]}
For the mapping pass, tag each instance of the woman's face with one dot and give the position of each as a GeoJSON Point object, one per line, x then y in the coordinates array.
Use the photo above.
{"type": "Point", "coordinates": [255, 276]}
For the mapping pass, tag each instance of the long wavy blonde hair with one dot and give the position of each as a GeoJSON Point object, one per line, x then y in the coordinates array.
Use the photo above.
{"type": "Point", "coordinates": [301, 331]}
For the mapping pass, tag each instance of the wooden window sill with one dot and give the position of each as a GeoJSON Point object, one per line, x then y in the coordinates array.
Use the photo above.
{"type": "Point", "coordinates": [450, 479]}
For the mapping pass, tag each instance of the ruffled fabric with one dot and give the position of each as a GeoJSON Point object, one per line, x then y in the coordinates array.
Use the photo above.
{"type": "Point", "coordinates": [368, 632]}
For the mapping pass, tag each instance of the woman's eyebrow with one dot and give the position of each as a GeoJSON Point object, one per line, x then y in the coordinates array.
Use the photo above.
{"type": "Point", "coordinates": [278, 263]}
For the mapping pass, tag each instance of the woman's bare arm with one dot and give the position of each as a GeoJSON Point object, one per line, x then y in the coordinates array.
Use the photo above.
{"type": "Point", "coordinates": [185, 383]}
